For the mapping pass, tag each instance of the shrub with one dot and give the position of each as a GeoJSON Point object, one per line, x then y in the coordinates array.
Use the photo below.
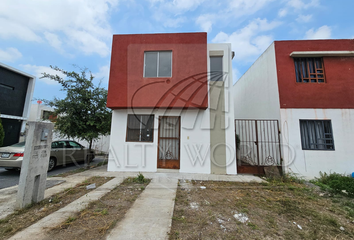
{"type": "Point", "coordinates": [336, 183]}
{"type": "Point", "coordinates": [140, 178]}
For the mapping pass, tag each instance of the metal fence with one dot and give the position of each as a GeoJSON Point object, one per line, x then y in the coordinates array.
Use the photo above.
{"type": "Point", "coordinates": [259, 142]}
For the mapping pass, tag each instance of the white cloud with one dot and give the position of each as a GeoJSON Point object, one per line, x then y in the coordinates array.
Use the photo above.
{"type": "Point", "coordinates": [177, 6]}
{"type": "Point", "coordinates": [53, 40]}
{"type": "Point", "coordinates": [185, 5]}
{"type": "Point", "coordinates": [9, 55]}
{"type": "Point", "coordinates": [102, 74]}
{"type": "Point", "coordinates": [304, 18]}
{"type": "Point", "coordinates": [205, 22]}
{"type": "Point", "coordinates": [38, 70]}
{"type": "Point", "coordinates": [299, 4]}
{"type": "Point", "coordinates": [168, 13]}
{"type": "Point", "coordinates": [66, 19]}
{"type": "Point", "coordinates": [11, 29]}
{"type": "Point", "coordinates": [282, 12]}
{"type": "Point", "coordinates": [87, 43]}
{"type": "Point", "coordinates": [247, 7]}
{"type": "Point", "coordinates": [323, 32]}
{"type": "Point", "coordinates": [247, 42]}
{"type": "Point", "coordinates": [237, 9]}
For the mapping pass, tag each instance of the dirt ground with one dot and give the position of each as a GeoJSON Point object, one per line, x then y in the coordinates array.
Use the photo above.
{"type": "Point", "coordinates": [225, 210]}
{"type": "Point", "coordinates": [31, 214]}
{"type": "Point", "coordinates": [95, 221]}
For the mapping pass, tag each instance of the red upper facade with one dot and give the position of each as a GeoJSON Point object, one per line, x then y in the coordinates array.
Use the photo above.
{"type": "Point", "coordinates": [337, 91]}
{"type": "Point", "coordinates": [185, 88]}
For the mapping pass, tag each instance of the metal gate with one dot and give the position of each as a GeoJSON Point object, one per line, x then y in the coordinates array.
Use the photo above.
{"type": "Point", "coordinates": [259, 145]}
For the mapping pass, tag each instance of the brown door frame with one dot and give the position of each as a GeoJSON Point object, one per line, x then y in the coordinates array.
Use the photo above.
{"type": "Point", "coordinates": [169, 164]}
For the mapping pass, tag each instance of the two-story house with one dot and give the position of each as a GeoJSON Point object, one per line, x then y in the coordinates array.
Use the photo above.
{"type": "Point", "coordinates": [299, 94]}
{"type": "Point", "coordinates": [16, 91]}
{"type": "Point", "coordinates": [171, 102]}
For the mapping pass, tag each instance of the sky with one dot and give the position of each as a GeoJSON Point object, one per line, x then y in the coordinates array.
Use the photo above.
{"type": "Point", "coordinates": [38, 33]}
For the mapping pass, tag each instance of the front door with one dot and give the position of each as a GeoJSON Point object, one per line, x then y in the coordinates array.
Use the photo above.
{"type": "Point", "coordinates": [169, 143]}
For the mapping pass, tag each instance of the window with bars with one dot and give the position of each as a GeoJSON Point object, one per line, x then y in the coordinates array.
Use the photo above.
{"type": "Point", "coordinates": [309, 70]}
{"type": "Point", "coordinates": [140, 128]}
{"type": "Point", "coordinates": [316, 135]}
{"type": "Point", "coordinates": [158, 64]}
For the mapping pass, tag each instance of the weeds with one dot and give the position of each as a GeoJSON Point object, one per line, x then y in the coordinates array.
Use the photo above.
{"type": "Point", "coordinates": [335, 183]}
{"type": "Point", "coordinates": [252, 225]}
{"type": "Point", "coordinates": [70, 220]}
{"type": "Point", "coordinates": [286, 178]}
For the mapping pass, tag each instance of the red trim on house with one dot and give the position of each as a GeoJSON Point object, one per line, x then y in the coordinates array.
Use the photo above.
{"type": "Point", "coordinates": [187, 88]}
{"type": "Point", "coordinates": [336, 92]}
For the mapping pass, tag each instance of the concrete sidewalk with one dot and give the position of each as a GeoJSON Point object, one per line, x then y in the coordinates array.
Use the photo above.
{"type": "Point", "coordinates": [38, 230]}
{"type": "Point", "coordinates": [150, 217]}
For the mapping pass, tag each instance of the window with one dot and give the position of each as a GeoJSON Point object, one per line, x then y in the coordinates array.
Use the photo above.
{"type": "Point", "coordinates": [47, 115]}
{"type": "Point", "coordinates": [60, 144]}
{"type": "Point", "coordinates": [216, 73]}
{"type": "Point", "coordinates": [158, 64]}
{"type": "Point", "coordinates": [140, 128]}
{"type": "Point", "coordinates": [74, 145]}
{"type": "Point", "coordinates": [309, 70]}
{"type": "Point", "coordinates": [316, 135]}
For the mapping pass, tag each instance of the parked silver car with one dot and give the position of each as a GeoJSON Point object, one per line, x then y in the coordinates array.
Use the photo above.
{"type": "Point", "coordinates": [62, 153]}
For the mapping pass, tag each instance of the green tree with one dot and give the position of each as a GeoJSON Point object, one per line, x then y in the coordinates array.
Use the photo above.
{"type": "Point", "coordinates": [82, 113]}
{"type": "Point", "coordinates": [2, 134]}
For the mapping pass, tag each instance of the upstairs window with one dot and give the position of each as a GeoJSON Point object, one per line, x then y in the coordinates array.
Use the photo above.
{"type": "Point", "coordinates": [309, 70]}
{"type": "Point", "coordinates": [216, 73]}
{"type": "Point", "coordinates": [316, 135]}
{"type": "Point", "coordinates": [140, 128]}
{"type": "Point", "coordinates": [158, 64]}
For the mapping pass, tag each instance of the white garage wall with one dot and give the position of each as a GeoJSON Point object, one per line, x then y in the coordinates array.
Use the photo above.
{"type": "Point", "coordinates": [256, 94]}
{"type": "Point", "coordinates": [309, 163]}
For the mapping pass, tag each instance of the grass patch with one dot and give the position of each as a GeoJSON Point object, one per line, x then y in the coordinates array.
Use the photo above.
{"type": "Point", "coordinates": [281, 209]}
{"type": "Point", "coordinates": [100, 216]}
{"type": "Point", "coordinates": [29, 215]}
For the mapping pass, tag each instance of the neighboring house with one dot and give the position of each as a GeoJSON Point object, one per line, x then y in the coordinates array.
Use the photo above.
{"type": "Point", "coordinates": [171, 104]}
{"type": "Point", "coordinates": [41, 112]}
{"type": "Point", "coordinates": [16, 91]}
{"type": "Point", "coordinates": [307, 88]}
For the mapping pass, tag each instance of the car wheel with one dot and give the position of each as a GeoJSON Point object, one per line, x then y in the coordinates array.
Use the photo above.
{"type": "Point", "coordinates": [52, 164]}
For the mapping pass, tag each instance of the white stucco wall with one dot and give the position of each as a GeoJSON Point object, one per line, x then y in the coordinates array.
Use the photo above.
{"type": "Point", "coordinates": [256, 94]}
{"type": "Point", "coordinates": [225, 48]}
{"type": "Point", "coordinates": [309, 163]}
{"type": "Point", "coordinates": [194, 149]}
